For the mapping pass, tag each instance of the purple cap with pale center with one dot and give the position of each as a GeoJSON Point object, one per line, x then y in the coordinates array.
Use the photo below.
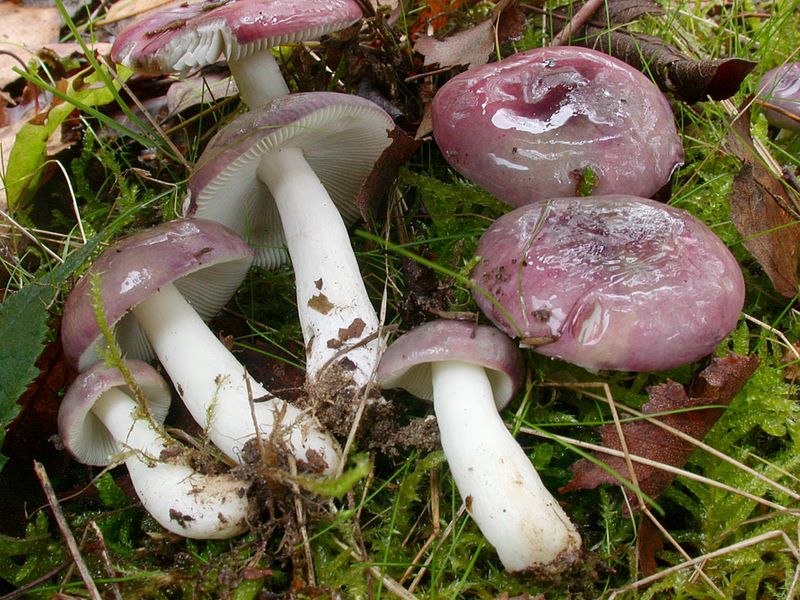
{"type": "Point", "coordinates": [407, 362]}
{"type": "Point", "coordinates": [780, 89]}
{"type": "Point", "coordinates": [82, 433]}
{"type": "Point", "coordinates": [193, 35]}
{"type": "Point", "coordinates": [206, 261]}
{"type": "Point", "coordinates": [530, 126]}
{"type": "Point", "coordinates": [341, 136]}
{"type": "Point", "coordinates": [609, 282]}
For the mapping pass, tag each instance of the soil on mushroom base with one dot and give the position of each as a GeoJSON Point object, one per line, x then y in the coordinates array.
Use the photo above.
{"type": "Point", "coordinates": [385, 426]}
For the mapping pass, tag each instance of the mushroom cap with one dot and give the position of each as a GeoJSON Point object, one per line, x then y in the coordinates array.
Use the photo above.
{"type": "Point", "coordinates": [185, 36]}
{"type": "Point", "coordinates": [780, 87]}
{"type": "Point", "coordinates": [341, 136]}
{"type": "Point", "coordinates": [206, 261]}
{"type": "Point", "coordinates": [82, 433]}
{"type": "Point", "coordinates": [526, 128]}
{"type": "Point", "coordinates": [407, 362]}
{"type": "Point", "coordinates": [609, 282]}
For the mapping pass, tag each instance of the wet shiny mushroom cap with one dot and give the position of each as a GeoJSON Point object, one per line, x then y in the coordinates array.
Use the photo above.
{"type": "Point", "coordinates": [185, 35]}
{"type": "Point", "coordinates": [609, 282]}
{"type": "Point", "coordinates": [527, 127]}
{"type": "Point", "coordinates": [81, 431]}
{"type": "Point", "coordinates": [780, 89]}
{"type": "Point", "coordinates": [407, 362]}
{"type": "Point", "coordinates": [206, 261]}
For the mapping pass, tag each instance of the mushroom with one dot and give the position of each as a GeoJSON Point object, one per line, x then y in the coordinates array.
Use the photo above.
{"type": "Point", "coordinates": [286, 175]}
{"type": "Point", "coordinates": [534, 125]}
{"type": "Point", "coordinates": [609, 282]}
{"type": "Point", "coordinates": [99, 421]}
{"type": "Point", "coordinates": [471, 372]}
{"type": "Point", "coordinates": [186, 36]}
{"type": "Point", "coordinates": [779, 93]}
{"type": "Point", "coordinates": [157, 287]}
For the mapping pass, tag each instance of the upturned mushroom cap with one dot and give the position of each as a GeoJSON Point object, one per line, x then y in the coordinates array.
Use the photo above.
{"type": "Point", "coordinates": [341, 137]}
{"type": "Point", "coordinates": [407, 362]}
{"type": "Point", "coordinates": [527, 127]}
{"type": "Point", "coordinates": [780, 88]}
{"type": "Point", "coordinates": [206, 261]}
{"type": "Point", "coordinates": [81, 431]}
{"type": "Point", "coordinates": [193, 35]}
{"type": "Point", "coordinates": [609, 282]}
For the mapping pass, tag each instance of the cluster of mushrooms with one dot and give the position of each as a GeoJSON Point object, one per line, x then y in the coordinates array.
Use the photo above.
{"type": "Point", "coordinates": [608, 281]}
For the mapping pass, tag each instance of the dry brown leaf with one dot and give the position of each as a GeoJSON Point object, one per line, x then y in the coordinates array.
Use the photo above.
{"type": "Point", "coordinates": [758, 211]}
{"type": "Point", "coordinates": [471, 47]}
{"type": "Point", "coordinates": [716, 385]}
{"type": "Point", "coordinates": [23, 30]}
{"type": "Point", "coordinates": [373, 190]}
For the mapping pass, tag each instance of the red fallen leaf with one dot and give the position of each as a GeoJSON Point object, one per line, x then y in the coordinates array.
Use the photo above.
{"type": "Point", "coordinates": [758, 211]}
{"type": "Point", "coordinates": [716, 385]}
{"type": "Point", "coordinates": [648, 543]}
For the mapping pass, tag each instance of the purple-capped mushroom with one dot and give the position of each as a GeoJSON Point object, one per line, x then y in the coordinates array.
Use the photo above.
{"type": "Point", "coordinates": [158, 285]}
{"type": "Point", "coordinates": [533, 125]}
{"type": "Point", "coordinates": [471, 372]}
{"type": "Point", "coordinates": [186, 36]}
{"type": "Point", "coordinates": [609, 282]}
{"type": "Point", "coordinates": [99, 422]}
{"type": "Point", "coordinates": [779, 93]}
{"type": "Point", "coordinates": [286, 176]}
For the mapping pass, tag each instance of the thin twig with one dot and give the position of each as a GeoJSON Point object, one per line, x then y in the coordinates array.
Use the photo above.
{"type": "Point", "coordinates": [659, 465]}
{"type": "Point", "coordinates": [578, 20]}
{"type": "Point", "coordinates": [66, 532]}
{"type": "Point", "coordinates": [679, 548]}
{"type": "Point", "coordinates": [389, 583]}
{"type": "Point", "coordinates": [301, 521]}
{"type": "Point", "coordinates": [777, 332]}
{"type": "Point", "coordinates": [694, 441]}
{"type": "Point", "coordinates": [30, 236]}
{"type": "Point", "coordinates": [104, 557]}
{"type": "Point", "coordinates": [710, 555]}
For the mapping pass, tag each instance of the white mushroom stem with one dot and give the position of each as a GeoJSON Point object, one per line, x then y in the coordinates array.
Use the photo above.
{"type": "Point", "coordinates": [333, 306]}
{"type": "Point", "coordinates": [497, 481]}
{"type": "Point", "coordinates": [180, 499]}
{"type": "Point", "coordinates": [214, 385]}
{"type": "Point", "coordinates": [258, 78]}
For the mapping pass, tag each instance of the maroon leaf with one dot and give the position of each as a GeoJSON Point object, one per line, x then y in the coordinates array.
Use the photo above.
{"type": "Point", "coordinates": [384, 172]}
{"type": "Point", "coordinates": [716, 385]}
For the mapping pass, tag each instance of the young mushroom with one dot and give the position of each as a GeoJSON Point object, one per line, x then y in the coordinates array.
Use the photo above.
{"type": "Point", "coordinates": [540, 124]}
{"type": "Point", "coordinates": [158, 286]}
{"type": "Point", "coordinates": [186, 36]}
{"type": "Point", "coordinates": [286, 175]}
{"type": "Point", "coordinates": [609, 282]}
{"type": "Point", "coordinates": [471, 372]}
{"type": "Point", "coordinates": [779, 93]}
{"type": "Point", "coordinates": [99, 421]}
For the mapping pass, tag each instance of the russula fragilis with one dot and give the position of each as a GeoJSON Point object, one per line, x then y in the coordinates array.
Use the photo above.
{"type": "Point", "coordinates": [609, 282]}
{"type": "Point", "coordinates": [99, 421]}
{"type": "Point", "coordinates": [533, 125]}
{"type": "Point", "coordinates": [470, 373]}
{"type": "Point", "coordinates": [244, 32]}
{"type": "Point", "coordinates": [286, 176]}
{"type": "Point", "coordinates": [157, 287]}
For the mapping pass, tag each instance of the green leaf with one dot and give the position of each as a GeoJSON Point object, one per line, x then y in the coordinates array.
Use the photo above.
{"type": "Point", "coordinates": [29, 152]}
{"type": "Point", "coordinates": [23, 329]}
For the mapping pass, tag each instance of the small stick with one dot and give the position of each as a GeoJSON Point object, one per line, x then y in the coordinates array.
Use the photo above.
{"type": "Point", "coordinates": [301, 521]}
{"type": "Point", "coordinates": [105, 558]}
{"type": "Point", "coordinates": [52, 500]}
{"type": "Point", "coordinates": [579, 19]}
{"type": "Point", "coordinates": [705, 557]}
